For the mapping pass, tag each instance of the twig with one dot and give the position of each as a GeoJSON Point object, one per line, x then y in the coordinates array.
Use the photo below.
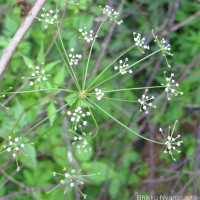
{"type": "Point", "coordinates": [183, 23]}
{"type": "Point", "coordinates": [26, 191]}
{"type": "Point", "coordinates": [17, 38]}
{"type": "Point", "coordinates": [69, 147]}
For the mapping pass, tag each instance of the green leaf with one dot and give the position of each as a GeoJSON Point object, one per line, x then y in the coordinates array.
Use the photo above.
{"type": "Point", "coordinates": [60, 76]}
{"type": "Point", "coordinates": [27, 60]}
{"type": "Point", "coordinates": [40, 57]}
{"type": "Point", "coordinates": [134, 179]}
{"type": "Point", "coordinates": [51, 111]}
{"type": "Point", "coordinates": [30, 158]}
{"type": "Point", "coordinates": [83, 156]}
{"type": "Point", "coordinates": [71, 98]}
{"type": "Point", "coordinates": [114, 188]}
{"type": "Point", "coordinates": [101, 170]}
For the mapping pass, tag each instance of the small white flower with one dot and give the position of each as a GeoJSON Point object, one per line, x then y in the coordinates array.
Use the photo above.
{"type": "Point", "coordinates": [99, 94]}
{"type": "Point", "coordinates": [38, 75]}
{"type": "Point", "coordinates": [140, 42]}
{"type": "Point", "coordinates": [86, 35]}
{"type": "Point", "coordinates": [54, 173]}
{"type": "Point", "coordinates": [74, 58]}
{"type": "Point", "coordinates": [111, 14]}
{"type": "Point", "coordinates": [170, 86]}
{"type": "Point", "coordinates": [48, 17]}
{"type": "Point", "coordinates": [171, 142]}
{"type": "Point", "coordinates": [144, 102]}
{"type": "Point", "coordinates": [71, 179]}
{"type": "Point", "coordinates": [164, 47]}
{"type": "Point", "coordinates": [123, 67]}
{"type": "Point", "coordinates": [13, 146]}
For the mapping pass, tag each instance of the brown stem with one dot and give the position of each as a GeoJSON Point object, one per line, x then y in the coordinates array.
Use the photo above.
{"type": "Point", "coordinates": [17, 38]}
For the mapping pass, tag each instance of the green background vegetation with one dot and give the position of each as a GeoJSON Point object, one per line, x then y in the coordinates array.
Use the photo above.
{"type": "Point", "coordinates": [128, 165]}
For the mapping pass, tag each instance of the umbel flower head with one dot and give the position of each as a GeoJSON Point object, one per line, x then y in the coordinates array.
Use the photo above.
{"type": "Point", "coordinates": [123, 67]}
{"type": "Point", "coordinates": [13, 146]}
{"type": "Point", "coordinates": [71, 179]}
{"type": "Point", "coordinates": [140, 42]}
{"type": "Point", "coordinates": [111, 14]}
{"type": "Point", "coordinates": [144, 102]}
{"type": "Point", "coordinates": [38, 75]}
{"type": "Point", "coordinates": [74, 58]}
{"type": "Point", "coordinates": [164, 47]}
{"type": "Point", "coordinates": [48, 17]}
{"type": "Point", "coordinates": [99, 94]}
{"type": "Point", "coordinates": [171, 142]}
{"type": "Point", "coordinates": [86, 35]}
{"type": "Point", "coordinates": [81, 143]}
{"type": "Point", "coordinates": [170, 86]}
{"type": "Point", "coordinates": [78, 118]}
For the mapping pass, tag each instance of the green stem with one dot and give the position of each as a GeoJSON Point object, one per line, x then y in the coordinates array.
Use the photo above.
{"type": "Point", "coordinates": [126, 69]}
{"type": "Point", "coordinates": [66, 64]}
{"type": "Point", "coordinates": [129, 89]}
{"type": "Point", "coordinates": [111, 65]}
{"type": "Point", "coordinates": [27, 132]}
{"type": "Point", "coordinates": [95, 122]}
{"type": "Point", "coordinates": [88, 61]}
{"type": "Point", "coordinates": [21, 92]}
{"type": "Point", "coordinates": [123, 124]}
{"type": "Point", "coordinates": [122, 100]}
{"type": "Point", "coordinates": [68, 59]}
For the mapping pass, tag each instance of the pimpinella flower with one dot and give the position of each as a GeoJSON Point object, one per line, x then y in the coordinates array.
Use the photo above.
{"type": "Point", "coordinates": [111, 14]}
{"type": "Point", "coordinates": [74, 58]}
{"type": "Point", "coordinates": [123, 67]}
{"type": "Point", "coordinates": [144, 102]}
{"type": "Point", "coordinates": [38, 75]}
{"type": "Point", "coordinates": [99, 94]}
{"type": "Point", "coordinates": [48, 17]}
{"type": "Point", "coordinates": [13, 145]}
{"type": "Point", "coordinates": [170, 86]}
{"type": "Point", "coordinates": [140, 42]}
{"type": "Point", "coordinates": [81, 143]}
{"type": "Point", "coordinates": [71, 179]}
{"type": "Point", "coordinates": [171, 142]}
{"type": "Point", "coordinates": [164, 47]}
{"type": "Point", "coordinates": [86, 35]}
{"type": "Point", "coordinates": [78, 118]}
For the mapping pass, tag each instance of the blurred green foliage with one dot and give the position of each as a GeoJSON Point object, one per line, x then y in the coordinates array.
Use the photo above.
{"type": "Point", "coordinates": [122, 164]}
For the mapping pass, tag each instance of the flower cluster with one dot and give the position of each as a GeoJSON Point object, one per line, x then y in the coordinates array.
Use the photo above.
{"type": "Point", "coordinates": [38, 75]}
{"type": "Point", "coordinates": [111, 14]}
{"type": "Point", "coordinates": [48, 17]}
{"type": "Point", "coordinates": [171, 142]}
{"type": "Point", "coordinates": [70, 179]}
{"type": "Point", "coordinates": [77, 116]}
{"type": "Point", "coordinates": [99, 94]}
{"type": "Point", "coordinates": [13, 146]}
{"type": "Point", "coordinates": [164, 47]}
{"type": "Point", "coordinates": [140, 42]}
{"type": "Point", "coordinates": [144, 102]}
{"type": "Point", "coordinates": [86, 35]}
{"type": "Point", "coordinates": [78, 119]}
{"type": "Point", "coordinates": [170, 86]}
{"type": "Point", "coordinates": [74, 58]}
{"type": "Point", "coordinates": [81, 143]}
{"type": "Point", "coordinates": [123, 67]}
